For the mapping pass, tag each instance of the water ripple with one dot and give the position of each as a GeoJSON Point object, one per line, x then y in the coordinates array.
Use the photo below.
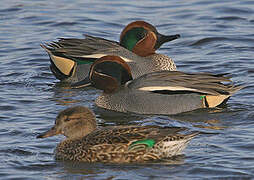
{"type": "Point", "coordinates": [231, 18]}
{"type": "Point", "coordinates": [216, 36]}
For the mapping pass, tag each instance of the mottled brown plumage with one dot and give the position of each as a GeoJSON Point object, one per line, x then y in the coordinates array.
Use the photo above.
{"type": "Point", "coordinates": [117, 144]}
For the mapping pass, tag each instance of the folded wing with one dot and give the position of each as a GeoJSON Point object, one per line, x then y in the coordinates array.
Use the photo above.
{"type": "Point", "coordinates": [175, 82]}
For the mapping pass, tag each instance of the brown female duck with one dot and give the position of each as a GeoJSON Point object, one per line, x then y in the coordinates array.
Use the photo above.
{"type": "Point", "coordinates": [116, 144]}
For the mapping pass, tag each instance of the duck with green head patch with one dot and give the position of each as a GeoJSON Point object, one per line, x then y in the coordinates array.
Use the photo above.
{"type": "Point", "coordinates": [71, 58]}
{"type": "Point", "coordinates": [163, 92]}
{"type": "Point", "coordinates": [115, 144]}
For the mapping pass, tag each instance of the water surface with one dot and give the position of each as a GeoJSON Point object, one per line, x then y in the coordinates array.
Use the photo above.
{"type": "Point", "coordinates": [216, 36]}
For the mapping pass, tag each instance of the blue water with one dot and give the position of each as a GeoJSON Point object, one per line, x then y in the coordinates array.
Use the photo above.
{"type": "Point", "coordinates": [216, 36]}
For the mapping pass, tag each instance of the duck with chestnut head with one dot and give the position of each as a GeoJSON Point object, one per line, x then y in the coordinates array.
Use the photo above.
{"type": "Point", "coordinates": [163, 92]}
{"type": "Point", "coordinates": [71, 58]}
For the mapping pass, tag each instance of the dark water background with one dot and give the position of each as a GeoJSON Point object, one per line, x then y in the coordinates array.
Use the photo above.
{"type": "Point", "coordinates": [217, 36]}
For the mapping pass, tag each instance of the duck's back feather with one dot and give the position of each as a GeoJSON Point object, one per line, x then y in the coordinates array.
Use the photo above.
{"type": "Point", "coordinates": [175, 82]}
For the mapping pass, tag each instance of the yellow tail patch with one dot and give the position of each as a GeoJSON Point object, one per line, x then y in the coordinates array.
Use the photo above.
{"type": "Point", "coordinates": [63, 64]}
{"type": "Point", "coordinates": [214, 101]}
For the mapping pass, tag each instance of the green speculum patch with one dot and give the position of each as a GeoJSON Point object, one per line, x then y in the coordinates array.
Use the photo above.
{"type": "Point", "coordinates": [131, 37]}
{"type": "Point", "coordinates": [148, 142]}
{"type": "Point", "coordinates": [82, 60]}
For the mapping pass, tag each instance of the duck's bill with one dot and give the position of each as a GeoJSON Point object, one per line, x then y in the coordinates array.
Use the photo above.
{"type": "Point", "coordinates": [83, 83]}
{"type": "Point", "coordinates": [163, 39]}
{"type": "Point", "coordinates": [49, 133]}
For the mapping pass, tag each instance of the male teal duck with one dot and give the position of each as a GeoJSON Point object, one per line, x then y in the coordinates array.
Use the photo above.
{"type": "Point", "coordinates": [163, 92]}
{"type": "Point", "coordinates": [116, 144]}
{"type": "Point", "coordinates": [71, 58]}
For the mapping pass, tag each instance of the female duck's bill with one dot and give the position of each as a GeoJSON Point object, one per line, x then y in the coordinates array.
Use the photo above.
{"type": "Point", "coordinates": [71, 58]}
{"type": "Point", "coordinates": [114, 144]}
{"type": "Point", "coordinates": [165, 92]}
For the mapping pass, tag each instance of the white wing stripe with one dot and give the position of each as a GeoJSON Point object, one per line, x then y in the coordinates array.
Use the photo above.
{"type": "Point", "coordinates": [175, 88]}
{"type": "Point", "coordinates": [101, 55]}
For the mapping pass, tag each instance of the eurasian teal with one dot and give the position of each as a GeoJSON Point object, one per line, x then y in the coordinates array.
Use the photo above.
{"type": "Point", "coordinates": [116, 144]}
{"type": "Point", "coordinates": [163, 92]}
{"type": "Point", "coordinates": [71, 58]}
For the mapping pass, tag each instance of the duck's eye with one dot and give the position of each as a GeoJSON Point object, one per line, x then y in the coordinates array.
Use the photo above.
{"type": "Point", "coordinates": [141, 35]}
{"type": "Point", "coordinates": [131, 37]}
{"type": "Point", "coordinates": [66, 119]}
